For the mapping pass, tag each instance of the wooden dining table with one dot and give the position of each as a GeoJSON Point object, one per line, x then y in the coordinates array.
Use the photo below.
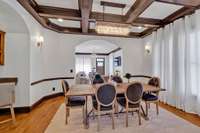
{"type": "Point", "coordinates": [89, 90]}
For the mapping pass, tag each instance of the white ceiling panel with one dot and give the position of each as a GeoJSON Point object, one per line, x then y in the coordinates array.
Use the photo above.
{"type": "Point", "coordinates": [158, 10]}
{"type": "Point", "coordinates": [72, 4]}
{"type": "Point", "coordinates": [66, 23]}
{"type": "Point", "coordinates": [96, 7]}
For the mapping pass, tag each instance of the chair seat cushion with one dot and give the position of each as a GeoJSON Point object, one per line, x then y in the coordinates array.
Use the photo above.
{"type": "Point", "coordinates": [149, 97]}
{"type": "Point", "coordinates": [122, 102]}
{"type": "Point", "coordinates": [76, 101]}
{"type": "Point", "coordinates": [102, 108]}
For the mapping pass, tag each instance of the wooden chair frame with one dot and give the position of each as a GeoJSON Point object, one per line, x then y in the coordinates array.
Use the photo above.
{"type": "Point", "coordinates": [67, 108]}
{"type": "Point", "coordinates": [99, 104]}
{"type": "Point", "coordinates": [137, 109]}
{"type": "Point", "coordinates": [13, 119]}
{"type": "Point", "coordinates": [147, 103]}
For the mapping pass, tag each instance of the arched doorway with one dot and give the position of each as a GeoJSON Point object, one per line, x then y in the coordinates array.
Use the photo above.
{"type": "Point", "coordinates": [96, 56]}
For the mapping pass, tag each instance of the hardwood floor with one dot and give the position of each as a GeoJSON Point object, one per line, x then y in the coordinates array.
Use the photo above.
{"type": "Point", "coordinates": [37, 120]}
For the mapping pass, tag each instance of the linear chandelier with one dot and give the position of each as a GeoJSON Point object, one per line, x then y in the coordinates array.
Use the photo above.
{"type": "Point", "coordinates": [112, 28]}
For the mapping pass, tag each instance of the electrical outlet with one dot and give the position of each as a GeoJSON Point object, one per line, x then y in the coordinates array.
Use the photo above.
{"type": "Point", "coordinates": [53, 89]}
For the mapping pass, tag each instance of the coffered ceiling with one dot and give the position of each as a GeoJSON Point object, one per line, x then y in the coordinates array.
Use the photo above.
{"type": "Point", "coordinates": [79, 16]}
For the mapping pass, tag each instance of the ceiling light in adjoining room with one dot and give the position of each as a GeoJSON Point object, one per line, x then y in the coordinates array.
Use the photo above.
{"type": "Point", "coordinates": [112, 28]}
{"type": "Point", "coordinates": [140, 27]}
{"type": "Point", "coordinates": [60, 20]}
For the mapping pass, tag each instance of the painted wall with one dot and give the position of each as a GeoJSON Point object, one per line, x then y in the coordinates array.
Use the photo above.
{"type": "Point", "coordinates": [17, 52]}
{"type": "Point", "coordinates": [56, 56]}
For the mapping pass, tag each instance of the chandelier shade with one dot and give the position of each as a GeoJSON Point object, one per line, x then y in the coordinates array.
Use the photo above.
{"type": "Point", "coordinates": [112, 28]}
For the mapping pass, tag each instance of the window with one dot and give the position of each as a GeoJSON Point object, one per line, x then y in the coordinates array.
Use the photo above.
{"type": "Point", "coordinates": [83, 63]}
{"type": "Point", "coordinates": [2, 38]}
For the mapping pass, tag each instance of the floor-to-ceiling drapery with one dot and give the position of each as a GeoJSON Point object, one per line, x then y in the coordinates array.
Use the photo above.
{"type": "Point", "coordinates": [176, 57]}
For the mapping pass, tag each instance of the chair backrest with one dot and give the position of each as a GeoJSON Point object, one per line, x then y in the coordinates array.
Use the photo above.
{"type": "Point", "coordinates": [154, 81]}
{"type": "Point", "coordinates": [117, 79]}
{"type": "Point", "coordinates": [65, 86]}
{"type": "Point", "coordinates": [106, 94]}
{"type": "Point", "coordinates": [97, 79]}
{"type": "Point", "coordinates": [134, 93]}
{"type": "Point", "coordinates": [81, 74]}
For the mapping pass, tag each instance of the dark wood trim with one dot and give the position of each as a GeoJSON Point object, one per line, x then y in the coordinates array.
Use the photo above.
{"type": "Point", "coordinates": [56, 12]}
{"type": "Point", "coordinates": [115, 50]}
{"type": "Point", "coordinates": [85, 8]}
{"type": "Point", "coordinates": [138, 8]}
{"type": "Point", "coordinates": [148, 32]}
{"type": "Point", "coordinates": [178, 14]}
{"type": "Point", "coordinates": [27, 109]}
{"type": "Point", "coordinates": [140, 76]}
{"type": "Point", "coordinates": [50, 79]}
{"type": "Point", "coordinates": [9, 80]}
{"type": "Point", "coordinates": [186, 3]}
{"type": "Point", "coordinates": [112, 4]}
{"type": "Point", "coordinates": [84, 15]}
{"type": "Point", "coordinates": [103, 54]}
{"type": "Point", "coordinates": [45, 98]}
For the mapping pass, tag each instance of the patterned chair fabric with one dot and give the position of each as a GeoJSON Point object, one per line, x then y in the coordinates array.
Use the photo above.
{"type": "Point", "coordinates": [81, 78]}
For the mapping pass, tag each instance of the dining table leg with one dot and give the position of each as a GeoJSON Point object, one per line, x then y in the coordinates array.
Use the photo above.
{"type": "Point", "coordinates": [144, 115]}
{"type": "Point", "coordinates": [86, 119]}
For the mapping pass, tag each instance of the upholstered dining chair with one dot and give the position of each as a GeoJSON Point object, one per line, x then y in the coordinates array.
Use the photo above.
{"type": "Point", "coordinates": [105, 101]}
{"type": "Point", "coordinates": [97, 79]}
{"type": "Point", "coordinates": [152, 97]}
{"type": "Point", "coordinates": [118, 80]}
{"type": "Point", "coordinates": [74, 101]}
{"type": "Point", "coordinates": [132, 100]}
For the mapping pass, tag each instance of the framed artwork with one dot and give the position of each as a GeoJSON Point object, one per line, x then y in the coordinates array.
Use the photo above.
{"type": "Point", "coordinates": [2, 46]}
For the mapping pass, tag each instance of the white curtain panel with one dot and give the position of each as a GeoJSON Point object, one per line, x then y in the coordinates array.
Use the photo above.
{"type": "Point", "coordinates": [176, 59]}
{"type": "Point", "coordinates": [83, 63]}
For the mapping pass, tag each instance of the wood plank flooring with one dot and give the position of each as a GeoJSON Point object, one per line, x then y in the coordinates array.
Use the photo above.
{"type": "Point", "coordinates": [37, 120]}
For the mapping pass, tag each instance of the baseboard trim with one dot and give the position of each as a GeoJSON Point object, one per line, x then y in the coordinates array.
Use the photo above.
{"type": "Point", "coordinates": [27, 109]}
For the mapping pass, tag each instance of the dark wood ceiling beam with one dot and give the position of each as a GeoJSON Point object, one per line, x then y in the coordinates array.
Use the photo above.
{"type": "Point", "coordinates": [138, 8]}
{"type": "Point", "coordinates": [85, 8]}
{"type": "Point", "coordinates": [29, 7]}
{"type": "Point", "coordinates": [148, 22]}
{"type": "Point", "coordinates": [147, 32]}
{"type": "Point", "coordinates": [178, 14]}
{"type": "Point", "coordinates": [111, 4]}
{"type": "Point", "coordinates": [55, 12]}
{"type": "Point", "coordinates": [187, 3]}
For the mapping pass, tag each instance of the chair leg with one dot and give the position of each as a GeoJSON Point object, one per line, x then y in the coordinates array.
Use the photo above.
{"type": "Point", "coordinates": [83, 113]}
{"type": "Point", "coordinates": [98, 121]}
{"type": "Point", "coordinates": [126, 117]}
{"type": "Point", "coordinates": [113, 122]}
{"type": "Point", "coordinates": [157, 108]}
{"type": "Point", "coordinates": [67, 115]}
{"type": "Point", "coordinates": [149, 105]}
{"type": "Point", "coordinates": [139, 116]}
{"type": "Point", "coordinates": [146, 109]}
{"type": "Point", "coordinates": [116, 108]}
{"type": "Point", "coordinates": [12, 113]}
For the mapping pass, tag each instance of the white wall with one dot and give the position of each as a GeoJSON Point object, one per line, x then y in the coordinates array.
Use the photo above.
{"type": "Point", "coordinates": [56, 56]}
{"type": "Point", "coordinates": [17, 51]}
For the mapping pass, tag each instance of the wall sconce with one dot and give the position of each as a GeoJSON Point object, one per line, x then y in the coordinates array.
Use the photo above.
{"type": "Point", "coordinates": [148, 49]}
{"type": "Point", "coordinates": [40, 41]}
